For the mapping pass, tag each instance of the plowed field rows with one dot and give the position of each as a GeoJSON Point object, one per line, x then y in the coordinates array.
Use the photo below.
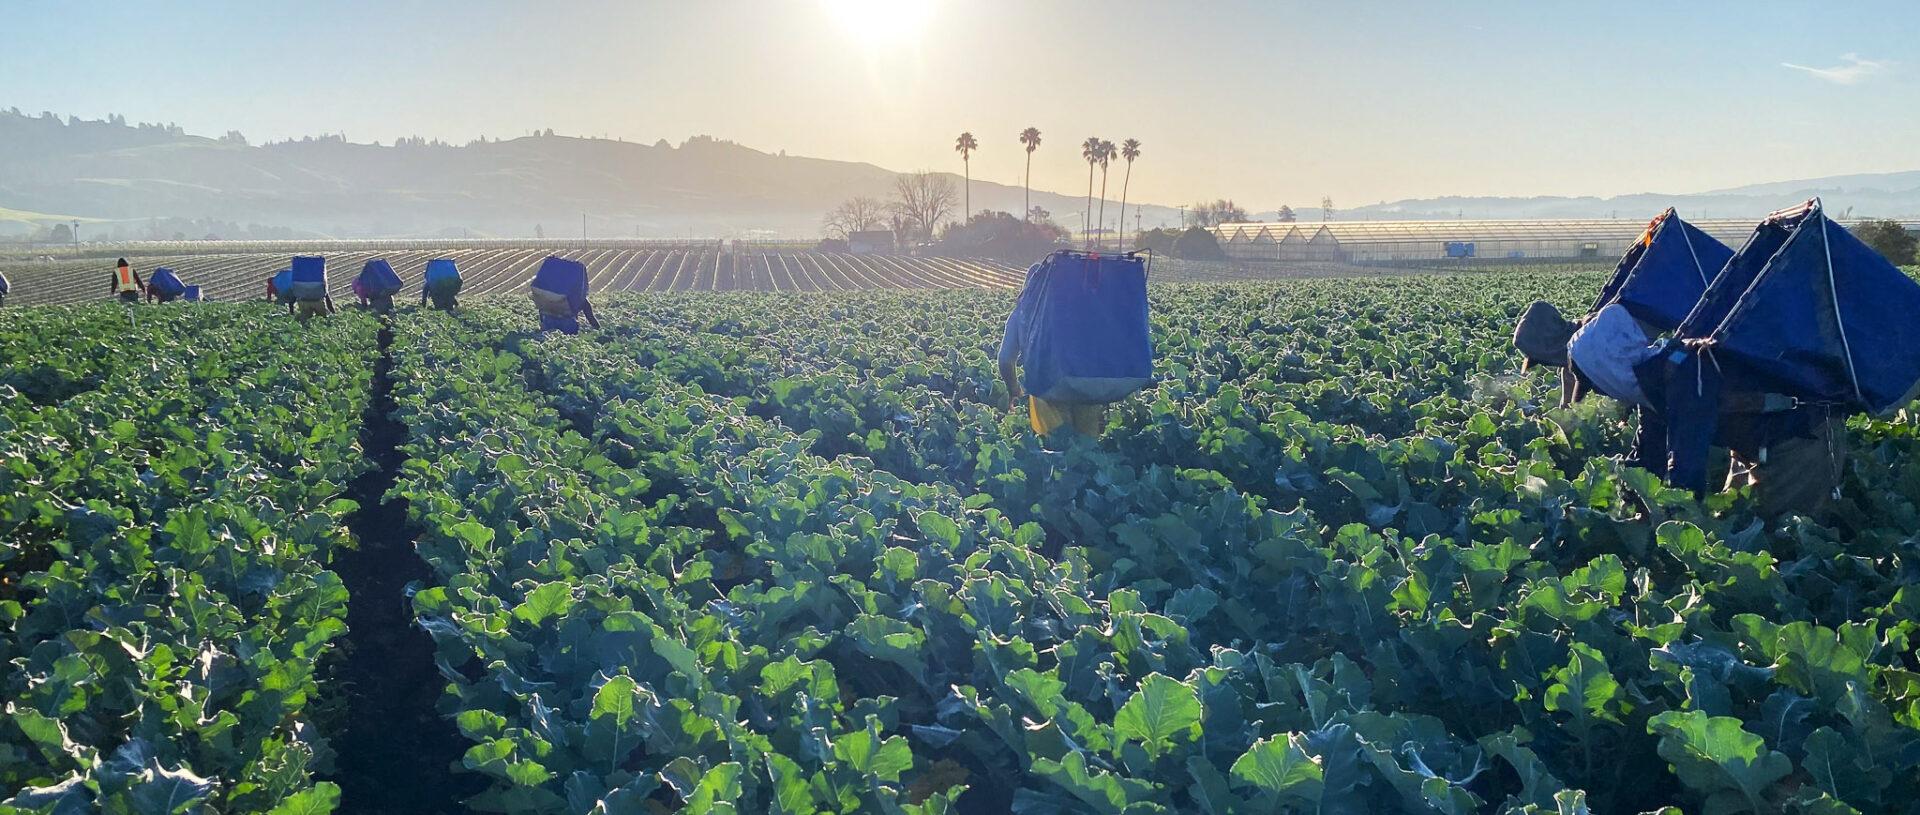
{"type": "Point", "coordinates": [507, 270]}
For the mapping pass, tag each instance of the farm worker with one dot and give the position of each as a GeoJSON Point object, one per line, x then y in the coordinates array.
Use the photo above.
{"type": "Point", "coordinates": [1790, 455]}
{"type": "Point", "coordinates": [443, 283]}
{"type": "Point", "coordinates": [165, 286]}
{"type": "Point", "coordinates": [309, 289]}
{"type": "Point", "coordinates": [376, 285]}
{"type": "Point", "coordinates": [560, 293]}
{"type": "Point", "coordinates": [127, 282]}
{"type": "Point", "coordinates": [1087, 420]}
{"type": "Point", "coordinates": [304, 310]}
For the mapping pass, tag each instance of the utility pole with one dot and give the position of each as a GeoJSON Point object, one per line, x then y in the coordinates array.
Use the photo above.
{"type": "Point", "coordinates": [1183, 217]}
{"type": "Point", "coordinates": [76, 236]}
{"type": "Point", "coordinates": [583, 226]}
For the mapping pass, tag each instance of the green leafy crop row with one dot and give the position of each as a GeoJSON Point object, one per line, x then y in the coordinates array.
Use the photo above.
{"type": "Point", "coordinates": [752, 553]}
{"type": "Point", "coordinates": [169, 494]}
{"type": "Point", "coordinates": [1340, 558]}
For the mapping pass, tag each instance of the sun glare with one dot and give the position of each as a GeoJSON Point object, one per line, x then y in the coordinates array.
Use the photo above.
{"type": "Point", "coordinates": [882, 22]}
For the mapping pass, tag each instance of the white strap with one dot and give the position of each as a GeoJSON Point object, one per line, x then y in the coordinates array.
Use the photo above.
{"type": "Point", "coordinates": [1839, 321]}
{"type": "Point", "coordinates": [1696, 256]}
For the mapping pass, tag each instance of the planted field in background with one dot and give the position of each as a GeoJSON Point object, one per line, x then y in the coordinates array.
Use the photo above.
{"type": "Point", "coordinates": [507, 270]}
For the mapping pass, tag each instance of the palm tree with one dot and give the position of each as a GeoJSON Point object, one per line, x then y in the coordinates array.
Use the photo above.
{"type": "Point", "coordinates": [1031, 138]}
{"type": "Point", "coordinates": [965, 145]}
{"type": "Point", "coordinates": [1129, 150]}
{"type": "Point", "coordinates": [1107, 154]}
{"type": "Point", "coordinates": [1090, 150]}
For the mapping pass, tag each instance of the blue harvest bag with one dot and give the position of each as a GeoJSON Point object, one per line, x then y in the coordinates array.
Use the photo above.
{"type": "Point", "coordinates": [443, 276]}
{"type": "Point", "coordinates": [559, 289]}
{"type": "Point", "coordinates": [165, 282]}
{"type": "Point", "coordinates": [1088, 341]}
{"type": "Point", "coordinates": [309, 279]}
{"type": "Point", "coordinates": [1823, 316]}
{"type": "Point", "coordinates": [1663, 276]}
{"type": "Point", "coordinates": [379, 278]}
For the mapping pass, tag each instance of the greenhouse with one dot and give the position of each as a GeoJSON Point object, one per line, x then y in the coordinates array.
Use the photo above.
{"type": "Point", "coordinates": [1389, 241]}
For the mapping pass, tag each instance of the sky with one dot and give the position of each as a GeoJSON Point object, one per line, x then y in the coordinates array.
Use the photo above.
{"type": "Point", "coordinates": [1267, 103]}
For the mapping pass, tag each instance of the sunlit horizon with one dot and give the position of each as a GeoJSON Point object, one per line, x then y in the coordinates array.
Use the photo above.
{"type": "Point", "coordinates": [1267, 104]}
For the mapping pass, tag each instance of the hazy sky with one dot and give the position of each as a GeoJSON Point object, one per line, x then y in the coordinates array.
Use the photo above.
{"type": "Point", "coordinates": [1264, 102]}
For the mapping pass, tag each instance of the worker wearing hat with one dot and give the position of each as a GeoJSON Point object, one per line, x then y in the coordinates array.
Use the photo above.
{"type": "Point", "coordinates": [127, 284]}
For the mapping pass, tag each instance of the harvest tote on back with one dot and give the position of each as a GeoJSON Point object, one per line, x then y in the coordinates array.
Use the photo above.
{"type": "Point", "coordinates": [1662, 277]}
{"type": "Point", "coordinates": [379, 278]}
{"type": "Point", "coordinates": [309, 279]}
{"type": "Point", "coordinates": [1809, 310]}
{"type": "Point", "coordinates": [559, 288]}
{"type": "Point", "coordinates": [1088, 342]}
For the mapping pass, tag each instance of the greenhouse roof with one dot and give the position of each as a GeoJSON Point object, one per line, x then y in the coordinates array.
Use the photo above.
{"type": "Point", "coordinates": [1733, 232]}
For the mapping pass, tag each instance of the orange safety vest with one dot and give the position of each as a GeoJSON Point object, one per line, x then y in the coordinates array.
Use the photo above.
{"type": "Point", "coordinates": [125, 274]}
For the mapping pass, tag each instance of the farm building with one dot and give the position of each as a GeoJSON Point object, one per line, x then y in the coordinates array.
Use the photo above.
{"type": "Point", "coordinates": [870, 243]}
{"type": "Point", "coordinates": [1388, 241]}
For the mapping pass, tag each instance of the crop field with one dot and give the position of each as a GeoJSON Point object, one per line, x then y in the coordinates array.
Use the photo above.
{"type": "Point", "coordinates": [506, 271]}
{"type": "Point", "coordinates": [788, 552]}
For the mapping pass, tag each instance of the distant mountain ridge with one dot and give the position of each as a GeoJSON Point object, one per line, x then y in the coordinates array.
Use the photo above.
{"type": "Point", "coordinates": [1869, 195]}
{"type": "Point", "coordinates": [705, 187]}
{"type": "Point", "coordinates": [113, 171]}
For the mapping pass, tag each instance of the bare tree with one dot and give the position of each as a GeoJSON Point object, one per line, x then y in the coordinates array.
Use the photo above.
{"type": "Point", "coordinates": [858, 214]}
{"type": "Point", "coordinates": [922, 200]}
{"type": "Point", "coordinates": [1218, 212]}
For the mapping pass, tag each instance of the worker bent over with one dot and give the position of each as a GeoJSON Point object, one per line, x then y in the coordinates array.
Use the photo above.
{"type": "Point", "coordinates": [1790, 454]}
{"type": "Point", "coordinates": [559, 291]}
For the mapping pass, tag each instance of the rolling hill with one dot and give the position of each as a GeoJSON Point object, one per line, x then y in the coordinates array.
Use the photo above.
{"type": "Point", "coordinates": [1878, 195]}
{"type": "Point", "coordinates": [328, 186]}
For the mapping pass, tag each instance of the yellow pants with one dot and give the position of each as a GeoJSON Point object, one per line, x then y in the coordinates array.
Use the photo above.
{"type": "Point", "coordinates": [1087, 420]}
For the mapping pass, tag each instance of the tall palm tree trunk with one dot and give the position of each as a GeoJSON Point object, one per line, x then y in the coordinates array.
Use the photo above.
{"type": "Point", "coordinates": [1103, 208]}
{"type": "Point", "coordinates": [1087, 222]}
{"type": "Point", "coordinates": [1123, 205]}
{"type": "Point", "coordinates": [1027, 214]}
{"type": "Point", "coordinates": [964, 216]}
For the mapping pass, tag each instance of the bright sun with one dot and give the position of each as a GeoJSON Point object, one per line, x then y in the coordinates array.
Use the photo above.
{"type": "Point", "coordinates": [883, 22]}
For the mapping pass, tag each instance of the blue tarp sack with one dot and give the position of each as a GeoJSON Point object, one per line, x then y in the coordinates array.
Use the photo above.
{"type": "Point", "coordinates": [192, 294]}
{"type": "Point", "coordinates": [1664, 275]}
{"type": "Point", "coordinates": [1088, 342]}
{"type": "Point", "coordinates": [379, 279]}
{"type": "Point", "coordinates": [283, 284]}
{"type": "Point", "coordinates": [1804, 311]}
{"type": "Point", "coordinates": [309, 279]}
{"type": "Point", "coordinates": [560, 288]}
{"type": "Point", "coordinates": [443, 276]}
{"type": "Point", "coordinates": [1824, 317]}
{"type": "Point", "coordinates": [165, 283]}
